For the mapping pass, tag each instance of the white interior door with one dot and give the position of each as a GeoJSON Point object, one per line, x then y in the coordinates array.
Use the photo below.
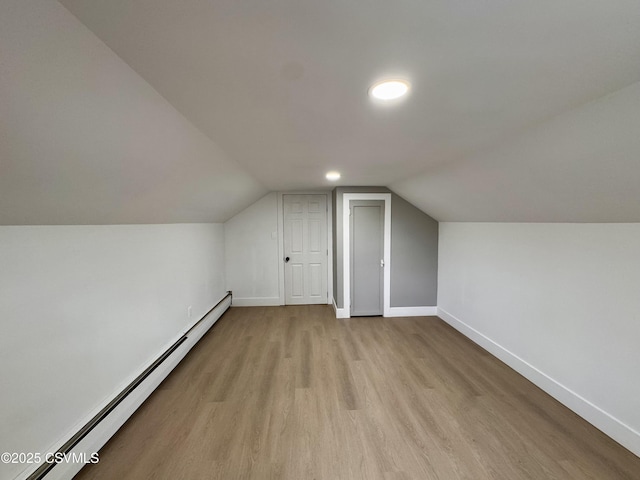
{"type": "Point", "coordinates": [305, 249]}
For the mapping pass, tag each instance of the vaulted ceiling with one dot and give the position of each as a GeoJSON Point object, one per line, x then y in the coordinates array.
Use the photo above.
{"type": "Point", "coordinates": [519, 111]}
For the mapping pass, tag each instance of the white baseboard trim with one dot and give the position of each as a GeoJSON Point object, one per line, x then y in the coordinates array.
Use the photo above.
{"type": "Point", "coordinates": [107, 427]}
{"type": "Point", "coordinates": [619, 431]}
{"type": "Point", "coordinates": [412, 311]}
{"type": "Point", "coordinates": [393, 311]}
{"type": "Point", "coordinates": [255, 301]}
{"type": "Point", "coordinates": [340, 312]}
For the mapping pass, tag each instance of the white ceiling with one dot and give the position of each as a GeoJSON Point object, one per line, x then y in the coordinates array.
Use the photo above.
{"type": "Point", "coordinates": [281, 88]}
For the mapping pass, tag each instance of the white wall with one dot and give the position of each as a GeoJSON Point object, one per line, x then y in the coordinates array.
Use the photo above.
{"type": "Point", "coordinates": [251, 263]}
{"type": "Point", "coordinates": [560, 303]}
{"type": "Point", "coordinates": [84, 310]}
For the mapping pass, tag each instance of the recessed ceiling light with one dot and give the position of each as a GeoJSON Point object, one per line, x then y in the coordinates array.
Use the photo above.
{"type": "Point", "coordinates": [333, 176]}
{"type": "Point", "coordinates": [389, 89]}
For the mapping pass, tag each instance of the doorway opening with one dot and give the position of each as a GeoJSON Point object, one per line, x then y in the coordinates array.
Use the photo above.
{"type": "Point", "coordinates": [305, 250]}
{"type": "Point", "coordinates": [350, 200]}
{"type": "Point", "coordinates": [367, 257]}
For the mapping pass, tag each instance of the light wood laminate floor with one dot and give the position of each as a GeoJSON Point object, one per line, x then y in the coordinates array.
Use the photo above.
{"type": "Point", "coordinates": [294, 393]}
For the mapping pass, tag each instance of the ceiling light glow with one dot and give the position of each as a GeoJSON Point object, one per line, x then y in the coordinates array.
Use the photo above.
{"type": "Point", "coordinates": [389, 89]}
{"type": "Point", "coordinates": [333, 176]}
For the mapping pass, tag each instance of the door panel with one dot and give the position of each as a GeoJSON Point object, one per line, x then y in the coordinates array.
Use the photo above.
{"type": "Point", "coordinates": [315, 231]}
{"type": "Point", "coordinates": [297, 280]}
{"type": "Point", "coordinates": [316, 206]}
{"type": "Point", "coordinates": [305, 244]}
{"type": "Point", "coordinates": [315, 274]}
{"type": "Point", "coordinates": [297, 233]}
{"type": "Point", "coordinates": [367, 254]}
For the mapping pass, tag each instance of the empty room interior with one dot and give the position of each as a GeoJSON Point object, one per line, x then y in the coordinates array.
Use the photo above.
{"type": "Point", "coordinates": [319, 239]}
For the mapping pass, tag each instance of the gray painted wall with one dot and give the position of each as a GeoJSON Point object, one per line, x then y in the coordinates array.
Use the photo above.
{"type": "Point", "coordinates": [414, 256]}
{"type": "Point", "coordinates": [414, 251]}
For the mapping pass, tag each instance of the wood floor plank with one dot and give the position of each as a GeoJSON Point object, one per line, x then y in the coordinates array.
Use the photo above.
{"type": "Point", "coordinates": [294, 393]}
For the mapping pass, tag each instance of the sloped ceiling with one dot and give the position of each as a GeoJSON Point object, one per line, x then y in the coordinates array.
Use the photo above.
{"type": "Point", "coordinates": [581, 166]}
{"type": "Point", "coordinates": [510, 117]}
{"type": "Point", "coordinates": [85, 140]}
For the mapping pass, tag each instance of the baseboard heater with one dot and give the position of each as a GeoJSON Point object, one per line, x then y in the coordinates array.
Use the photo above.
{"type": "Point", "coordinates": [95, 434]}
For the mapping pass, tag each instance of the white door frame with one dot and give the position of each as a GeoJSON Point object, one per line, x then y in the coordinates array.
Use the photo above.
{"type": "Point", "coordinates": [346, 249]}
{"type": "Point", "coordinates": [329, 240]}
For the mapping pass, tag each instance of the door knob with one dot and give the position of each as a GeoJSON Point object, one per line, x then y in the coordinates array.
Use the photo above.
{"type": "Point", "coordinates": [286, 259]}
